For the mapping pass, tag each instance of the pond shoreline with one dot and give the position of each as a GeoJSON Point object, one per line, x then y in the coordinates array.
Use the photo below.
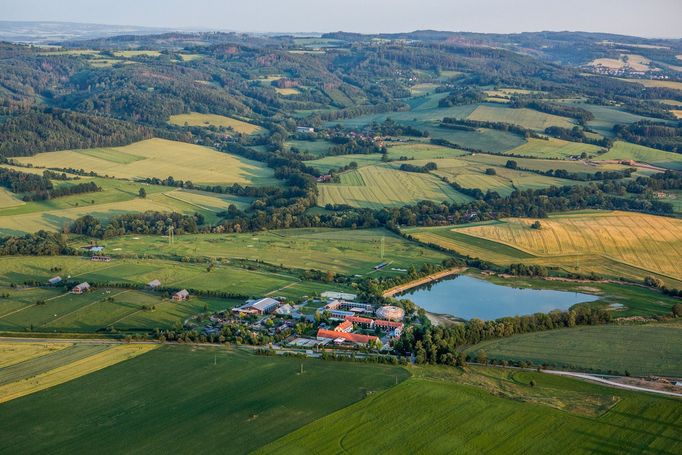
{"type": "Point", "coordinates": [427, 279]}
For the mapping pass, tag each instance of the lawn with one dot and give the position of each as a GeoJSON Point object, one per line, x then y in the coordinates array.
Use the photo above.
{"type": "Point", "coordinates": [380, 186]}
{"type": "Point", "coordinates": [317, 148]}
{"type": "Point", "coordinates": [197, 119]}
{"type": "Point", "coordinates": [489, 411]}
{"type": "Point", "coordinates": [343, 251]}
{"type": "Point", "coordinates": [159, 158]}
{"type": "Point", "coordinates": [626, 151]}
{"type": "Point", "coordinates": [553, 148]}
{"type": "Point", "coordinates": [642, 350]}
{"type": "Point", "coordinates": [178, 398]}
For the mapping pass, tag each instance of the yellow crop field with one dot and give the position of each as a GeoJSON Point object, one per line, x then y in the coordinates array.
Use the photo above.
{"type": "Point", "coordinates": [13, 353]}
{"type": "Point", "coordinates": [644, 241]}
{"type": "Point", "coordinates": [159, 158]}
{"type": "Point", "coordinates": [73, 370]}
{"type": "Point", "coordinates": [197, 119]}
{"type": "Point", "coordinates": [381, 186]}
{"type": "Point", "coordinates": [633, 62]}
{"type": "Point", "coordinates": [677, 113]}
{"type": "Point", "coordinates": [527, 118]}
{"type": "Point", "coordinates": [8, 199]}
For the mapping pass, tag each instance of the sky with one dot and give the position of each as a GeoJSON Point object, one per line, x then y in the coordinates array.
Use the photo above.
{"type": "Point", "coordinates": [647, 18]}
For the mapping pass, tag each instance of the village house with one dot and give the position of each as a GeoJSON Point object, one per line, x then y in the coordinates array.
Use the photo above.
{"type": "Point", "coordinates": [181, 295]}
{"type": "Point", "coordinates": [80, 288]}
{"type": "Point", "coordinates": [154, 284]}
{"type": "Point", "coordinates": [345, 326]}
{"type": "Point", "coordinates": [55, 280]}
{"type": "Point", "coordinates": [305, 129]}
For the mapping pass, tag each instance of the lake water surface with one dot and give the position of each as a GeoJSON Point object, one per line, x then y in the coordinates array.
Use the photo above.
{"type": "Point", "coordinates": [466, 297]}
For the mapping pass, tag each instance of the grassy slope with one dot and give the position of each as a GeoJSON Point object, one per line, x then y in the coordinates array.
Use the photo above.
{"type": "Point", "coordinates": [176, 399]}
{"type": "Point", "coordinates": [197, 119]}
{"type": "Point", "coordinates": [436, 414]}
{"type": "Point", "coordinates": [643, 350]}
{"type": "Point", "coordinates": [626, 151]}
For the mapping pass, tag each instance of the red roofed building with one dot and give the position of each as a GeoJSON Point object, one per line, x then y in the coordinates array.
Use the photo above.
{"type": "Point", "coordinates": [365, 322]}
{"type": "Point", "coordinates": [345, 326]}
{"type": "Point", "coordinates": [350, 337]}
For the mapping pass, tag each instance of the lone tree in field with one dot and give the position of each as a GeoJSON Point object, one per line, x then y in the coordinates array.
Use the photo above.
{"type": "Point", "coordinates": [653, 282]}
{"type": "Point", "coordinates": [142, 193]}
{"type": "Point", "coordinates": [490, 171]}
{"type": "Point", "coordinates": [677, 310]}
{"type": "Point", "coordinates": [536, 225]}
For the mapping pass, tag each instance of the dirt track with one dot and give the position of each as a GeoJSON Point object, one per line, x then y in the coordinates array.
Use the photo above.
{"type": "Point", "coordinates": [427, 279]}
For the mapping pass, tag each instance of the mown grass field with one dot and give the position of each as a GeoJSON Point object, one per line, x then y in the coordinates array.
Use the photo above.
{"type": "Point", "coordinates": [528, 118]}
{"type": "Point", "coordinates": [334, 162]}
{"type": "Point", "coordinates": [342, 251]}
{"type": "Point", "coordinates": [605, 117]}
{"type": "Point", "coordinates": [197, 119]}
{"type": "Point", "coordinates": [13, 353]}
{"type": "Point", "coordinates": [159, 158]}
{"type": "Point", "coordinates": [645, 241]}
{"type": "Point", "coordinates": [60, 366]}
{"type": "Point", "coordinates": [539, 164]}
{"type": "Point", "coordinates": [656, 83]}
{"type": "Point", "coordinates": [137, 53]}
{"type": "Point", "coordinates": [178, 398]}
{"type": "Point", "coordinates": [641, 350]}
{"type": "Point", "coordinates": [117, 197]}
{"type": "Point", "coordinates": [615, 244]}
{"type": "Point", "coordinates": [381, 186]}
{"type": "Point", "coordinates": [488, 411]}
{"type": "Point", "coordinates": [626, 151]}
{"type": "Point", "coordinates": [553, 148]}
{"type": "Point", "coordinates": [317, 148]}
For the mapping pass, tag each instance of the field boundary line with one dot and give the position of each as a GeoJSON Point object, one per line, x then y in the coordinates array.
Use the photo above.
{"type": "Point", "coordinates": [610, 383]}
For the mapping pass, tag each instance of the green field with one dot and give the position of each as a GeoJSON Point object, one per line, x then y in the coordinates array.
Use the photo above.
{"type": "Point", "coordinates": [642, 350]}
{"type": "Point", "coordinates": [422, 151]}
{"type": "Point", "coordinates": [117, 197]}
{"type": "Point", "coordinates": [626, 151]}
{"type": "Point", "coordinates": [342, 251]}
{"type": "Point", "coordinates": [380, 186]}
{"type": "Point", "coordinates": [527, 118]}
{"type": "Point", "coordinates": [553, 148]}
{"type": "Point", "coordinates": [580, 167]}
{"type": "Point", "coordinates": [159, 158]}
{"type": "Point", "coordinates": [179, 398]}
{"type": "Point", "coordinates": [494, 411]}
{"type": "Point", "coordinates": [606, 117]}
{"type": "Point", "coordinates": [197, 119]}
{"type": "Point", "coordinates": [137, 53]}
{"type": "Point", "coordinates": [329, 163]}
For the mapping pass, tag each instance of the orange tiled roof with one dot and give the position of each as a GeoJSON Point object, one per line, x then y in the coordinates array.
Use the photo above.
{"type": "Point", "coordinates": [354, 337]}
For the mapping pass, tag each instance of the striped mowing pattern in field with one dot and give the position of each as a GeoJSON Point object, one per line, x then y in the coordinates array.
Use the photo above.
{"type": "Point", "coordinates": [380, 186]}
{"type": "Point", "coordinates": [553, 148]}
{"type": "Point", "coordinates": [645, 241]}
{"type": "Point", "coordinates": [35, 378]}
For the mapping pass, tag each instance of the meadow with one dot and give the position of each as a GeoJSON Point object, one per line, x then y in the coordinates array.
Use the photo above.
{"type": "Point", "coordinates": [606, 117]}
{"type": "Point", "coordinates": [197, 119]}
{"type": "Point", "coordinates": [58, 366]}
{"type": "Point", "coordinates": [443, 410]}
{"type": "Point", "coordinates": [317, 148]}
{"type": "Point", "coordinates": [9, 199]}
{"type": "Point", "coordinates": [641, 350]}
{"type": "Point", "coordinates": [422, 151]}
{"type": "Point", "coordinates": [627, 151]}
{"type": "Point", "coordinates": [381, 186]}
{"type": "Point", "coordinates": [527, 118]}
{"type": "Point", "coordinates": [159, 158]}
{"type": "Point", "coordinates": [553, 148]}
{"type": "Point", "coordinates": [137, 53]}
{"type": "Point", "coordinates": [117, 197]}
{"type": "Point", "coordinates": [616, 244]}
{"type": "Point", "coordinates": [343, 251]}
{"type": "Point", "coordinates": [538, 164]}
{"type": "Point", "coordinates": [656, 83]}
{"type": "Point", "coordinates": [178, 398]}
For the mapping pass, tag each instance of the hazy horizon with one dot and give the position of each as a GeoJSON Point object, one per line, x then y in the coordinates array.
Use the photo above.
{"type": "Point", "coordinates": [651, 19]}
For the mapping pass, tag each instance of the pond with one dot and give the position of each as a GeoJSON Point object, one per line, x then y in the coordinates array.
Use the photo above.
{"type": "Point", "coordinates": [466, 297]}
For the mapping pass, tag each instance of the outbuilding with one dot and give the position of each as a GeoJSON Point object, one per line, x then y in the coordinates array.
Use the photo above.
{"type": "Point", "coordinates": [181, 295]}
{"type": "Point", "coordinates": [80, 288]}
